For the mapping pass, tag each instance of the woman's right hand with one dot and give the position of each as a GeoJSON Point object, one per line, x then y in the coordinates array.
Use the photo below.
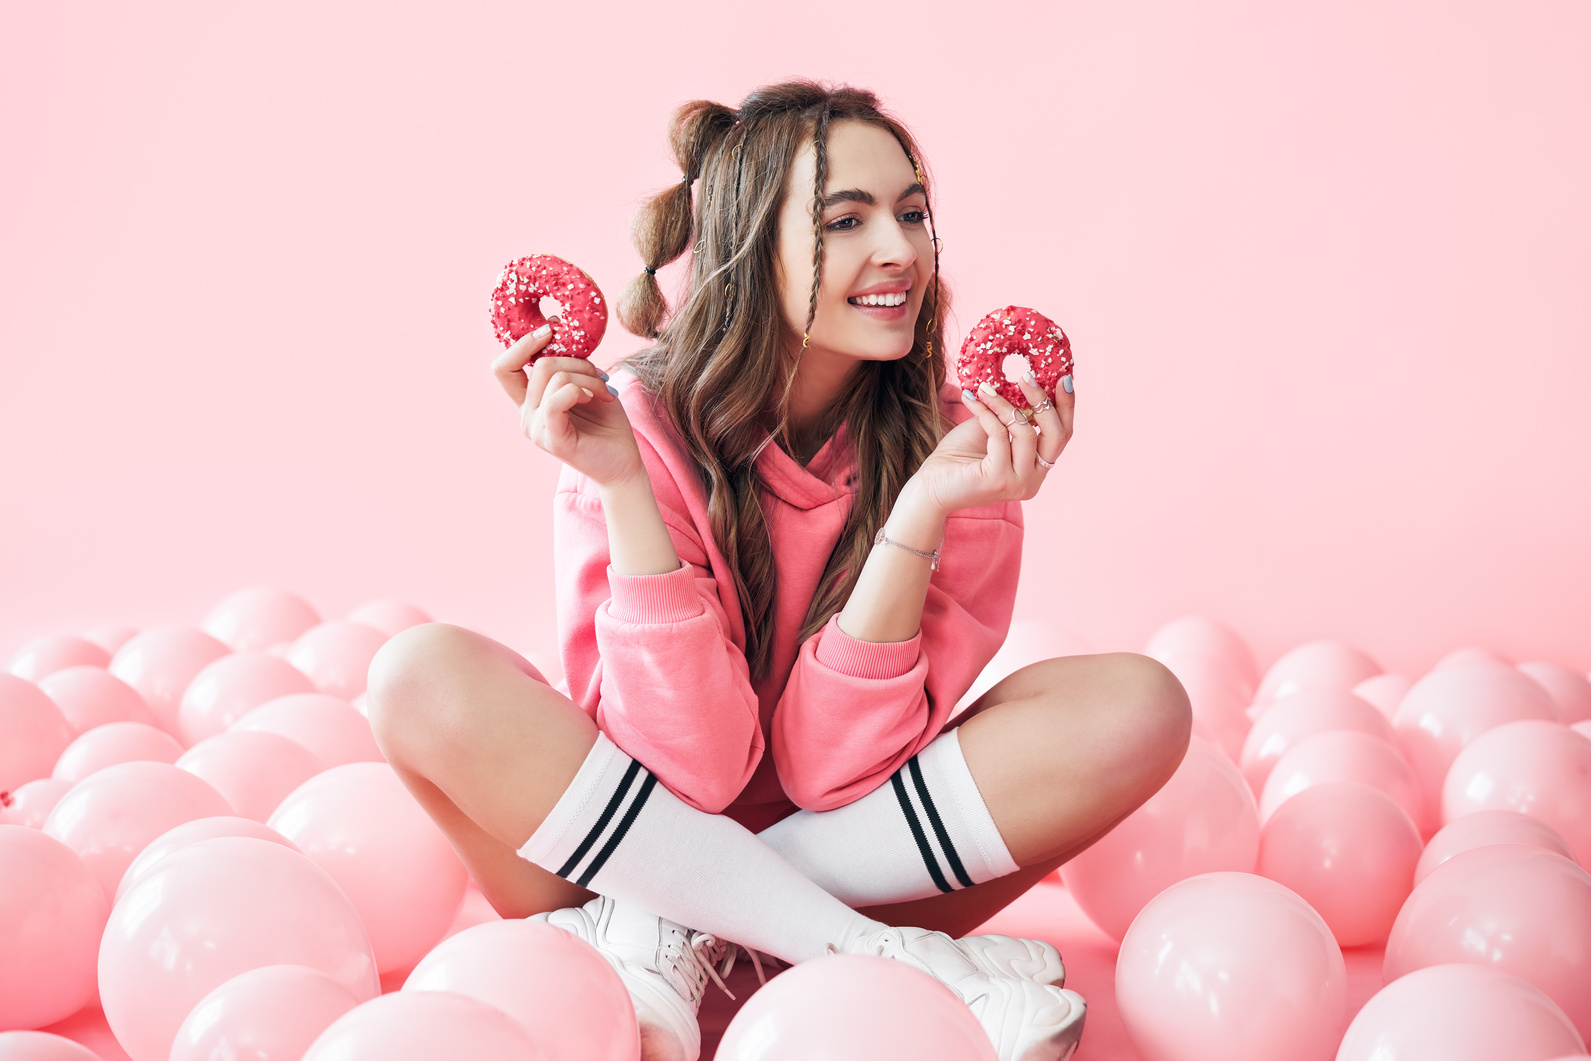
{"type": "Point", "coordinates": [567, 409]}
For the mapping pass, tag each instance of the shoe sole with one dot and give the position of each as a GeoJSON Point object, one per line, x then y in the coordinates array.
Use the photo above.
{"type": "Point", "coordinates": [1060, 1042]}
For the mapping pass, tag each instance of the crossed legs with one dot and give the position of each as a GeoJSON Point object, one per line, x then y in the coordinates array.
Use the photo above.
{"type": "Point", "coordinates": [1061, 751]}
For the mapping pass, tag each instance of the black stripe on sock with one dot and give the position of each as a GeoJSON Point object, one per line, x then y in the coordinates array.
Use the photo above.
{"type": "Point", "coordinates": [602, 822]}
{"type": "Point", "coordinates": [917, 833]}
{"type": "Point", "coordinates": [939, 826]}
{"type": "Point", "coordinates": [618, 833]}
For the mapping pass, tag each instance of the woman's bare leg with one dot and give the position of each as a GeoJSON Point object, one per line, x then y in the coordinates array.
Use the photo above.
{"type": "Point", "coordinates": [486, 746]}
{"type": "Point", "coordinates": [1061, 751]}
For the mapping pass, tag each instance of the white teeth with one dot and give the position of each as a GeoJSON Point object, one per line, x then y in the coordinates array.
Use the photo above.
{"type": "Point", "coordinates": [896, 298]}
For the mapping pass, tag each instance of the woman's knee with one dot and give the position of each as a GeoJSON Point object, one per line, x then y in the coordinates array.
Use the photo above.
{"type": "Point", "coordinates": [403, 684]}
{"type": "Point", "coordinates": [1154, 714]}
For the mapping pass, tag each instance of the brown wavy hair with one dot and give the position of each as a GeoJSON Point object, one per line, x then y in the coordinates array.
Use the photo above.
{"type": "Point", "coordinates": [723, 365]}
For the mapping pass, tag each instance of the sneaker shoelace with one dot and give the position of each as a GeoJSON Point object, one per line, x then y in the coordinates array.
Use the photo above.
{"type": "Point", "coordinates": [714, 958]}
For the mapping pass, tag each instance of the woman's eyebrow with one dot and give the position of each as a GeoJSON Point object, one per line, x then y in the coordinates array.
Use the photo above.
{"type": "Point", "coordinates": [857, 195]}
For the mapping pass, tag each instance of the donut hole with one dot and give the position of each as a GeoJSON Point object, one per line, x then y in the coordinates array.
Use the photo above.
{"type": "Point", "coordinates": [550, 307]}
{"type": "Point", "coordinates": [1014, 367]}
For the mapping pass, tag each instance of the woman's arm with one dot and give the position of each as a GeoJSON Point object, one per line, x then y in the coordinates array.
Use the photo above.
{"type": "Point", "coordinates": [638, 541]}
{"type": "Point", "coordinates": [886, 604]}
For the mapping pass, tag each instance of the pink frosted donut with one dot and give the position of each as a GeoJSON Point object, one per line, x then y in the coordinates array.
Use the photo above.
{"type": "Point", "coordinates": [516, 305]}
{"type": "Point", "coordinates": [1005, 344]}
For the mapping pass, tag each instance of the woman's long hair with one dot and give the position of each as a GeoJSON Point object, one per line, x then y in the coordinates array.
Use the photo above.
{"type": "Point", "coordinates": [722, 365]}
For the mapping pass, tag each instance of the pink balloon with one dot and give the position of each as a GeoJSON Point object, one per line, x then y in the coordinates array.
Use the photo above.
{"type": "Point", "coordinates": [110, 636]}
{"type": "Point", "coordinates": [109, 816]}
{"type": "Point", "coordinates": [231, 687]}
{"type": "Point", "coordinates": [1448, 708]}
{"type": "Point", "coordinates": [1518, 907]}
{"type": "Point", "coordinates": [388, 615]}
{"type": "Point", "coordinates": [259, 617]}
{"type": "Point", "coordinates": [1349, 851]}
{"type": "Point", "coordinates": [1198, 637]}
{"type": "Point", "coordinates": [42, 1046]}
{"type": "Point", "coordinates": [1231, 967]}
{"type": "Point", "coordinates": [192, 833]}
{"type": "Point", "coordinates": [1542, 769]}
{"type": "Point", "coordinates": [1384, 692]}
{"type": "Point", "coordinates": [1583, 728]}
{"type": "Point", "coordinates": [88, 1028]}
{"type": "Point", "coordinates": [51, 913]}
{"type": "Point", "coordinates": [1316, 665]}
{"type": "Point", "coordinates": [560, 988]}
{"type": "Point", "coordinates": [1458, 1013]}
{"type": "Point", "coordinates": [1343, 755]}
{"type": "Point", "coordinates": [1300, 715]}
{"type": "Point", "coordinates": [32, 803]}
{"type": "Point", "coordinates": [254, 771]}
{"type": "Point", "coordinates": [44, 656]}
{"type": "Point", "coordinates": [112, 743]}
{"type": "Point", "coordinates": [1461, 657]}
{"type": "Point", "coordinates": [870, 1008]}
{"type": "Point", "coordinates": [272, 1013]}
{"type": "Point", "coordinates": [361, 825]}
{"type": "Point", "coordinates": [474, 909]}
{"type": "Point", "coordinates": [160, 663]}
{"type": "Point", "coordinates": [1569, 689]}
{"type": "Point", "coordinates": [1483, 828]}
{"type": "Point", "coordinates": [1202, 820]}
{"type": "Point", "coordinates": [93, 696]}
{"type": "Point", "coordinates": [327, 726]}
{"type": "Point", "coordinates": [337, 655]}
{"type": "Point", "coordinates": [423, 1026]}
{"type": "Point", "coordinates": [209, 911]}
{"type": "Point", "coordinates": [35, 733]}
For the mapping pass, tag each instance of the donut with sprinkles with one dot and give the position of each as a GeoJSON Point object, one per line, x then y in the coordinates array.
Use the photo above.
{"type": "Point", "coordinates": [516, 305]}
{"type": "Point", "coordinates": [1007, 343]}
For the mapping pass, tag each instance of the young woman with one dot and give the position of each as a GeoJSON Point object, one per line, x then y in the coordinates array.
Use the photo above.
{"type": "Point", "coordinates": [785, 549]}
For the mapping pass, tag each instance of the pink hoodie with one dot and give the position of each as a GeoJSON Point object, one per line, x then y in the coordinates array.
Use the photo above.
{"type": "Point", "coordinates": [658, 660]}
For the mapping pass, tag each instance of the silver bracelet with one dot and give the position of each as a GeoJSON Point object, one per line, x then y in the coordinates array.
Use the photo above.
{"type": "Point", "coordinates": [881, 539]}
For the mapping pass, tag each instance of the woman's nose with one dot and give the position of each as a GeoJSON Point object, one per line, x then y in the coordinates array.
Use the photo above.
{"type": "Point", "coordinates": [895, 247]}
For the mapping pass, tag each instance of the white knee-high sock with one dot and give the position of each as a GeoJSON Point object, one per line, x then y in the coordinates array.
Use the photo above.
{"type": "Point", "coordinates": [925, 832]}
{"type": "Point", "coordinates": [618, 832]}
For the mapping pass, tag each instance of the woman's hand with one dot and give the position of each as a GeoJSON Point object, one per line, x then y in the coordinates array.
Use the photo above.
{"type": "Point", "coordinates": [994, 457]}
{"type": "Point", "coordinates": [567, 409]}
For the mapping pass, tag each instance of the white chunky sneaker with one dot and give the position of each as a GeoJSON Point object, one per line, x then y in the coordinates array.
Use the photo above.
{"type": "Point", "coordinates": [665, 966]}
{"type": "Point", "coordinates": [1024, 1019]}
{"type": "Point", "coordinates": [1012, 956]}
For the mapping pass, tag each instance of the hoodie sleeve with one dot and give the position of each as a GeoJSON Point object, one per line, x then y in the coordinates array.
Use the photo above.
{"type": "Point", "coordinates": [649, 656]}
{"type": "Point", "coordinates": [854, 711]}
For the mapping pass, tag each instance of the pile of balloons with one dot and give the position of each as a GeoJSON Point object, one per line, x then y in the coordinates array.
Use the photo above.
{"type": "Point", "coordinates": [1328, 805]}
{"type": "Point", "coordinates": [203, 854]}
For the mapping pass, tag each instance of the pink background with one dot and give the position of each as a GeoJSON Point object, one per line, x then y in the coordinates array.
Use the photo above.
{"type": "Point", "coordinates": [1325, 267]}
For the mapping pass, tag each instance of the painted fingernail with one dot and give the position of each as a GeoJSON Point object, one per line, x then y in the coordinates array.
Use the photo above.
{"type": "Point", "coordinates": [543, 330]}
{"type": "Point", "coordinates": [604, 376]}
{"type": "Point", "coordinates": [987, 387]}
{"type": "Point", "coordinates": [968, 396]}
{"type": "Point", "coordinates": [1031, 378]}
{"type": "Point", "coordinates": [587, 393]}
{"type": "Point", "coordinates": [613, 390]}
{"type": "Point", "coordinates": [1066, 382]}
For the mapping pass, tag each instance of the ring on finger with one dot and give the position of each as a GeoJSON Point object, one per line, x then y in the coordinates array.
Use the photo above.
{"type": "Point", "coordinates": [1046, 464]}
{"type": "Point", "coordinates": [1041, 406]}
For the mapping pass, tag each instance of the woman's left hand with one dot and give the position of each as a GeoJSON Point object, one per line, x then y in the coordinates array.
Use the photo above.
{"type": "Point", "coordinates": [994, 457]}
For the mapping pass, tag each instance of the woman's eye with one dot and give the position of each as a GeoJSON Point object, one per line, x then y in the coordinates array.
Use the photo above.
{"type": "Point", "coordinates": [913, 217]}
{"type": "Point", "coordinates": [844, 224]}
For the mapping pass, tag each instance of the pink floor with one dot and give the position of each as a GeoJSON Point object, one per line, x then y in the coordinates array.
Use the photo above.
{"type": "Point", "coordinates": [1048, 912]}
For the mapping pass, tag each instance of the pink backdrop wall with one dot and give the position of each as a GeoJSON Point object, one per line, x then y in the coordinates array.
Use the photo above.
{"type": "Point", "coordinates": [1325, 266]}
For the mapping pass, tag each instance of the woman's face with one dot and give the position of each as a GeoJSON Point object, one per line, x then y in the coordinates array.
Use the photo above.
{"type": "Point", "coordinates": [877, 253]}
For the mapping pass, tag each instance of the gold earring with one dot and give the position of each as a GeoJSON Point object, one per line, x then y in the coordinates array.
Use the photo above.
{"type": "Point", "coordinates": [804, 340]}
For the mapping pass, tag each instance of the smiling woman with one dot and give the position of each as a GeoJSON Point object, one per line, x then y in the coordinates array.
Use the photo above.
{"type": "Point", "coordinates": [785, 549]}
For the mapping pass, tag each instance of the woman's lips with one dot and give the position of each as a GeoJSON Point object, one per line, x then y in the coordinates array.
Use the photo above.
{"type": "Point", "coordinates": [883, 313]}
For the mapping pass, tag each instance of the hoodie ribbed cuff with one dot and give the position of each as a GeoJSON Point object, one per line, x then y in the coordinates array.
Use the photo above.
{"type": "Point", "coordinates": [839, 651]}
{"type": "Point", "coordinates": [667, 598]}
